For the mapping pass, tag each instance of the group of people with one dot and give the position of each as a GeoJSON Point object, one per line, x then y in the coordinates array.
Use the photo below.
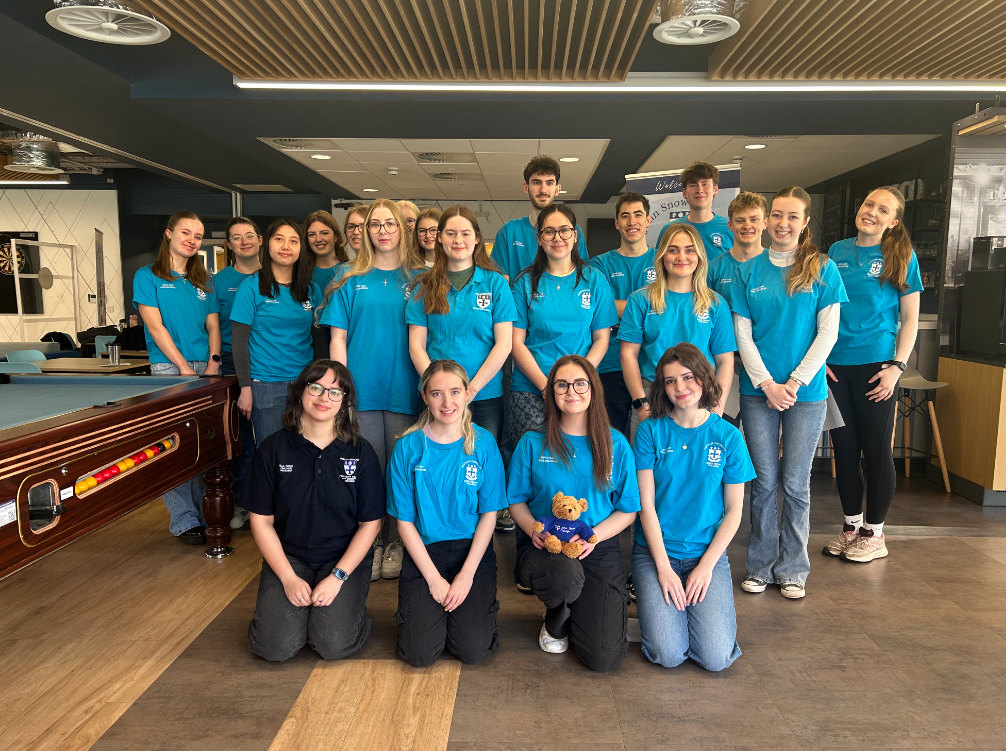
{"type": "Point", "coordinates": [407, 394]}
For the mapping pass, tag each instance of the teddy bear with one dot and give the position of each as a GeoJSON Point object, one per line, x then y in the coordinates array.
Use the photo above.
{"type": "Point", "coordinates": [563, 524]}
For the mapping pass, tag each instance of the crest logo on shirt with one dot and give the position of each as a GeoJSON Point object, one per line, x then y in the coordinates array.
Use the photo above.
{"type": "Point", "coordinates": [702, 317]}
{"type": "Point", "coordinates": [484, 300]}
{"type": "Point", "coordinates": [876, 268]}
{"type": "Point", "coordinates": [714, 455]}
{"type": "Point", "coordinates": [349, 466]}
{"type": "Point", "coordinates": [717, 239]}
{"type": "Point", "coordinates": [651, 274]}
{"type": "Point", "coordinates": [585, 299]}
{"type": "Point", "coordinates": [471, 473]}
{"type": "Point", "coordinates": [200, 294]}
{"type": "Point", "coordinates": [307, 304]}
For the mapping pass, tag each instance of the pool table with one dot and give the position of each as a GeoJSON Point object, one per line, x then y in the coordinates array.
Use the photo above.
{"type": "Point", "coordinates": [77, 452]}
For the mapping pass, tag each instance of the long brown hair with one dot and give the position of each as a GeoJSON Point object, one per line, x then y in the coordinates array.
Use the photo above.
{"type": "Point", "coordinates": [702, 296]}
{"type": "Point", "coordinates": [467, 427]}
{"type": "Point", "coordinates": [806, 267]}
{"type": "Point", "coordinates": [598, 426]}
{"type": "Point", "coordinates": [430, 212]}
{"type": "Point", "coordinates": [690, 357]}
{"type": "Point", "coordinates": [195, 271]}
{"type": "Point", "coordinates": [434, 285]}
{"type": "Point", "coordinates": [895, 244]}
{"type": "Point", "coordinates": [300, 286]}
{"type": "Point", "coordinates": [347, 424]}
{"type": "Point", "coordinates": [337, 239]}
{"type": "Point", "coordinates": [540, 264]}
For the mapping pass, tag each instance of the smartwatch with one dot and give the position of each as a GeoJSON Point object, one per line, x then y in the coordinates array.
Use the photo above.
{"type": "Point", "coordinates": [215, 358]}
{"type": "Point", "coordinates": [638, 403]}
{"type": "Point", "coordinates": [340, 574]}
{"type": "Point", "coordinates": [898, 364]}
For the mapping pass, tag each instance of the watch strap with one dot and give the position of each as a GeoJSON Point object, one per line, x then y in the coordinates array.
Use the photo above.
{"type": "Point", "coordinates": [339, 574]}
{"type": "Point", "coordinates": [638, 403]}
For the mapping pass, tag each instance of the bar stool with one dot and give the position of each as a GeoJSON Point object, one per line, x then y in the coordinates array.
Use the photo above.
{"type": "Point", "coordinates": [911, 382]}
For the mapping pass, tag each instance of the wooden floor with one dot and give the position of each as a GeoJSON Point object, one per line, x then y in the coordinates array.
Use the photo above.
{"type": "Point", "coordinates": [129, 640]}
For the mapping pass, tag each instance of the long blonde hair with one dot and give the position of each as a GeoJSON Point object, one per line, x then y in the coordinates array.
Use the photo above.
{"type": "Point", "coordinates": [195, 272]}
{"type": "Point", "coordinates": [806, 268]}
{"type": "Point", "coordinates": [657, 289]}
{"type": "Point", "coordinates": [896, 244]}
{"type": "Point", "coordinates": [467, 426]}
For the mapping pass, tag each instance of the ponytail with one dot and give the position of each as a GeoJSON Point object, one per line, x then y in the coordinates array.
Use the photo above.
{"type": "Point", "coordinates": [896, 245]}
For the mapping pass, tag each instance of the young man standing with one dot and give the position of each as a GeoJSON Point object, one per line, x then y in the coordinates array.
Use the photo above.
{"type": "Point", "coordinates": [516, 242]}
{"type": "Point", "coordinates": [748, 215]}
{"type": "Point", "coordinates": [627, 268]}
{"type": "Point", "coordinates": [700, 182]}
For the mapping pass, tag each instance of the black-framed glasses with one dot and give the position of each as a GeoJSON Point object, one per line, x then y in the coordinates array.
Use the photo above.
{"type": "Point", "coordinates": [580, 386]}
{"type": "Point", "coordinates": [427, 231]}
{"type": "Point", "coordinates": [354, 228]}
{"type": "Point", "coordinates": [565, 233]}
{"type": "Point", "coordinates": [390, 226]}
{"type": "Point", "coordinates": [316, 390]}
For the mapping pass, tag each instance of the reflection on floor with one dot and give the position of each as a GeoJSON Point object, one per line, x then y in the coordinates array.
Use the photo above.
{"type": "Point", "coordinates": [127, 640]}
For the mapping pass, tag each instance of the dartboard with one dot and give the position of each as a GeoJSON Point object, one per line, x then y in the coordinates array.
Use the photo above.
{"type": "Point", "coordinates": [7, 260]}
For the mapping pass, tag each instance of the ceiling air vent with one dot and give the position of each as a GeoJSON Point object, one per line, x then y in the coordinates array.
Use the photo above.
{"type": "Point", "coordinates": [445, 176]}
{"type": "Point", "coordinates": [696, 21]}
{"type": "Point", "coordinates": [305, 144]}
{"type": "Point", "coordinates": [36, 155]}
{"type": "Point", "coordinates": [445, 157]}
{"type": "Point", "coordinates": [106, 21]}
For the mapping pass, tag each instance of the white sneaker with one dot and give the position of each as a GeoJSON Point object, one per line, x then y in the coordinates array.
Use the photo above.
{"type": "Point", "coordinates": [391, 565]}
{"type": "Point", "coordinates": [239, 518]}
{"type": "Point", "coordinates": [375, 568]}
{"type": "Point", "coordinates": [550, 644]}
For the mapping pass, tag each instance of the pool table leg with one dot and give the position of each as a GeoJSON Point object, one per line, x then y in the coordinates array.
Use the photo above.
{"type": "Point", "coordinates": [218, 508]}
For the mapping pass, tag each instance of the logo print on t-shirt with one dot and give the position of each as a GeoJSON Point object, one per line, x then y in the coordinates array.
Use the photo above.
{"type": "Point", "coordinates": [876, 268]}
{"type": "Point", "coordinates": [651, 274]}
{"type": "Point", "coordinates": [714, 455]}
{"type": "Point", "coordinates": [702, 317]}
{"type": "Point", "coordinates": [471, 473]}
{"type": "Point", "coordinates": [484, 300]}
{"type": "Point", "coordinates": [200, 294]}
{"type": "Point", "coordinates": [306, 304]}
{"type": "Point", "coordinates": [585, 299]}
{"type": "Point", "coordinates": [349, 466]}
{"type": "Point", "coordinates": [717, 239]}
{"type": "Point", "coordinates": [286, 468]}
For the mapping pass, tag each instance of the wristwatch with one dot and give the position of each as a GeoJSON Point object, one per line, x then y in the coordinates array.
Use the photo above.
{"type": "Point", "coordinates": [215, 358]}
{"type": "Point", "coordinates": [898, 364]}
{"type": "Point", "coordinates": [340, 574]}
{"type": "Point", "coordinates": [638, 403]}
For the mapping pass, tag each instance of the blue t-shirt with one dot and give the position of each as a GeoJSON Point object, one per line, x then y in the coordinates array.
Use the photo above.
{"type": "Point", "coordinates": [720, 276]}
{"type": "Point", "coordinates": [716, 235]}
{"type": "Point", "coordinates": [784, 327]}
{"type": "Point", "coordinates": [712, 332]}
{"type": "Point", "coordinates": [868, 328]}
{"type": "Point", "coordinates": [280, 344]}
{"type": "Point", "coordinates": [225, 287]}
{"type": "Point", "coordinates": [441, 489]}
{"type": "Point", "coordinates": [321, 277]}
{"type": "Point", "coordinates": [561, 317]}
{"type": "Point", "coordinates": [688, 483]}
{"type": "Point", "coordinates": [516, 245]}
{"type": "Point", "coordinates": [465, 334]}
{"type": "Point", "coordinates": [534, 476]}
{"type": "Point", "coordinates": [625, 275]}
{"type": "Point", "coordinates": [371, 309]}
{"type": "Point", "coordinates": [183, 308]}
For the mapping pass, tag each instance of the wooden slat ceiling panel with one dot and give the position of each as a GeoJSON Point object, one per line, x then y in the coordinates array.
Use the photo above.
{"type": "Point", "coordinates": [414, 40]}
{"type": "Point", "coordinates": [865, 40]}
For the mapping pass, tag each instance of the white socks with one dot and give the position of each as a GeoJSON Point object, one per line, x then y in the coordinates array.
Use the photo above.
{"type": "Point", "coordinates": [855, 521]}
{"type": "Point", "coordinates": [877, 529]}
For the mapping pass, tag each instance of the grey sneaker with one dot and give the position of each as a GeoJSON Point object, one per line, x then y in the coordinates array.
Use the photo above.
{"type": "Point", "coordinates": [375, 568]}
{"type": "Point", "coordinates": [792, 590]}
{"type": "Point", "coordinates": [505, 522]}
{"type": "Point", "coordinates": [753, 584]}
{"type": "Point", "coordinates": [239, 518]}
{"type": "Point", "coordinates": [550, 644]}
{"type": "Point", "coordinates": [391, 564]}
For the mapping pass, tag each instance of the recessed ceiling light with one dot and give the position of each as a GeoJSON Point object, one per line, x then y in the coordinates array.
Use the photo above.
{"type": "Point", "coordinates": [755, 146]}
{"type": "Point", "coordinates": [370, 190]}
{"type": "Point", "coordinates": [561, 192]}
{"type": "Point", "coordinates": [320, 156]}
{"type": "Point", "coordinates": [569, 159]}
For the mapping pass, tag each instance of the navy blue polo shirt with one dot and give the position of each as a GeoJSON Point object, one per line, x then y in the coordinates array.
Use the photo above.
{"type": "Point", "coordinates": [316, 496]}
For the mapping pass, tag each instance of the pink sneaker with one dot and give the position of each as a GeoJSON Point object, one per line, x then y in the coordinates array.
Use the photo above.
{"type": "Point", "coordinates": [841, 543]}
{"type": "Point", "coordinates": [866, 549]}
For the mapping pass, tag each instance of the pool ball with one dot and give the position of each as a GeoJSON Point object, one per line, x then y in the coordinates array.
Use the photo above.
{"type": "Point", "coordinates": [149, 453]}
{"type": "Point", "coordinates": [80, 487]}
{"type": "Point", "coordinates": [129, 463]}
{"type": "Point", "coordinates": [91, 482]}
{"type": "Point", "coordinates": [113, 470]}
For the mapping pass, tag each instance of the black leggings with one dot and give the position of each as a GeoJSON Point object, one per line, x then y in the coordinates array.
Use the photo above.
{"type": "Point", "coordinates": [868, 429]}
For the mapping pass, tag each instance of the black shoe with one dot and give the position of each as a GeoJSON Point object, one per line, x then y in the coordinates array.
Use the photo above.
{"type": "Point", "coordinates": [630, 587]}
{"type": "Point", "coordinates": [525, 590]}
{"type": "Point", "coordinates": [194, 536]}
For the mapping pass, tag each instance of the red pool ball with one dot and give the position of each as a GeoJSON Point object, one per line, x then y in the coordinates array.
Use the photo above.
{"type": "Point", "coordinates": [100, 477]}
{"type": "Point", "coordinates": [155, 449]}
{"type": "Point", "coordinates": [113, 470]}
{"type": "Point", "coordinates": [106, 473]}
{"type": "Point", "coordinates": [139, 458]}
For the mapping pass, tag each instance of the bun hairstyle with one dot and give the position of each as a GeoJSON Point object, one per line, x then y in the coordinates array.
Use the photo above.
{"type": "Point", "coordinates": [467, 427]}
{"type": "Point", "coordinates": [347, 425]}
{"type": "Point", "coordinates": [540, 264]}
{"type": "Point", "coordinates": [806, 268]}
{"type": "Point", "coordinates": [895, 244]}
{"type": "Point", "coordinates": [434, 285]}
{"type": "Point", "coordinates": [690, 357]}
{"type": "Point", "coordinates": [300, 287]}
{"type": "Point", "coordinates": [195, 272]}
{"type": "Point", "coordinates": [338, 240]}
{"type": "Point", "coordinates": [702, 296]}
{"type": "Point", "coordinates": [598, 426]}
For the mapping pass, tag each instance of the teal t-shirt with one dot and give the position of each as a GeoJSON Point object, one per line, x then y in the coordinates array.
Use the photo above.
{"type": "Point", "coordinates": [868, 328]}
{"type": "Point", "coordinates": [443, 490]}
{"type": "Point", "coordinates": [784, 327]}
{"type": "Point", "coordinates": [321, 277]}
{"type": "Point", "coordinates": [465, 334]}
{"type": "Point", "coordinates": [625, 275]}
{"type": "Point", "coordinates": [716, 235]}
{"type": "Point", "coordinates": [534, 476]}
{"type": "Point", "coordinates": [225, 286]}
{"type": "Point", "coordinates": [371, 309]}
{"type": "Point", "coordinates": [712, 332]}
{"type": "Point", "coordinates": [720, 277]}
{"type": "Point", "coordinates": [688, 482]}
{"type": "Point", "coordinates": [183, 308]}
{"type": "Point", "coordinates": [516, 245]}
{"type": "Point", "coordinates": [560, 317]}
{"type": "Point", "coordinates": [280, 344]}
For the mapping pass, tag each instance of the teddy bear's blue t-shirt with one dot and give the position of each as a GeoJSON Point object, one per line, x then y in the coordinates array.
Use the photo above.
{"type": "Point", "coordinates": [564, 529]}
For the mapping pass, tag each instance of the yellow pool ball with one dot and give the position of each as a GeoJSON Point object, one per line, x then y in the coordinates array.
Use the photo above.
{"type": "Point", "coordinates": [129, 463]}
{"type": "Point", "coordinates": [91, 482]}
{"type": "Point", "coordinates": [122, 465]}
{"type": "Point", "coordinates": [80, 487]}
{"type": "Point", "coordinates": [149, 452]}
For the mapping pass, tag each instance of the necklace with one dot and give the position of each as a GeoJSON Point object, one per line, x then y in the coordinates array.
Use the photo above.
{"type": "Point", "coordinates": [558, 279]}
{"type": "Point", "coordinates": [441, 438]}
{"type": "Point", "coordinates": [577, 447]}
{"type": "Point", "coordinates": [686, 432]}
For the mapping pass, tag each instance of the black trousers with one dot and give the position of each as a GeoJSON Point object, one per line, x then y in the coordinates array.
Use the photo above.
{"type": "Point", "coordinates": [279, 629]}
{"type": "Point", "coordinates": [617, 400]}
{"type": "Point", "coordinates": [425, 628]}
{"type": "Point", "coordinates": [867, 432]}
{"type": "Point", "coordinates": [584, 600]}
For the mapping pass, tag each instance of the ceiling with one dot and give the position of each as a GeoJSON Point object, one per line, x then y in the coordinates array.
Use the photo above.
{"type": "Point", "coordinates": [785, 160]}
{"type": "Point", "coordinates": [440, 169]}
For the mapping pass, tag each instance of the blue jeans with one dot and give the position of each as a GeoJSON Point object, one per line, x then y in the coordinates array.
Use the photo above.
{"type": "Point", "coordinates": [706, 632]}
{"type": "Point", "coordinates": [777, 552]}
{"type": "Point", "coordinates": [268, 404]}
{"type": "Point", "coordinates": [184, 503]}
{"type": "Point", "coordinates": [242, 462]}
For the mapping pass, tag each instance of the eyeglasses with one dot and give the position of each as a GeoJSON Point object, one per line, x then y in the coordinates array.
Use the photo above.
{"type": "Point", "coordinates": [390, 226]}
{"type": "Point", "coordinates": [250, 237]}
{"type": "Point", "coordinates": [351, 228]}
{"type": "Point", "coordinates": [580, 386]}
{"type": "Point", "coordinates": [450, 234]}
{"type": "Point", "coordinates": [427, 231]}
{"type": "Point", "coordinates": [411, 223]}
{"type": "Point", "coordinates": [316, 390]}
{"type": "Point", "coordinates": [564, 232]}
